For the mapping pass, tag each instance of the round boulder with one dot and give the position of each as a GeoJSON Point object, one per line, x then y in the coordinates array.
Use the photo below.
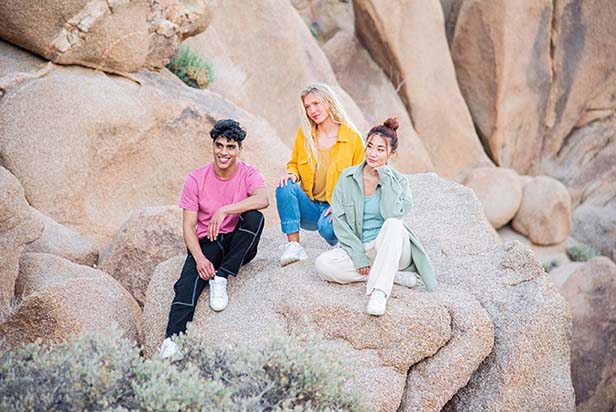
{"type": "Point", "coordinates": [499, 191]}
{"type": "Point", "coordinates": [545, 212]}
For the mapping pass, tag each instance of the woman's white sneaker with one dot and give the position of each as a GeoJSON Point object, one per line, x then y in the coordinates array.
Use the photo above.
{"type": "Point", "coordinates": [293, 252]}
{"type": "Point", "coordinates": [377, 303]}
{"type": "Point", "coordinates": [407, 279]}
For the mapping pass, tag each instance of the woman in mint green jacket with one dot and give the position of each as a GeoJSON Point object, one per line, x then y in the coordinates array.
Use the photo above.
{"type": "Point", "coordinates": [368, 205]}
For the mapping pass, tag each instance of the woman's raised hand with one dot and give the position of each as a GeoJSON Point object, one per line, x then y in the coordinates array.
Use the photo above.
{"type": "Point", "coordinates": [284, 179]}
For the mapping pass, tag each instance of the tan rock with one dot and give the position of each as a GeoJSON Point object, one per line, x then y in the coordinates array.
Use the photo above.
{"type": "Point", "coordinates": [17, 228]}
{"type": "Point", "coordinates": [107, 132]}
{"type": "Point", "coordinates": [265, 298]}
{"type": "Point", "coordinates": [584, 66]}
{"type": "Point", "coordinates": [544, 215]}
{"type": "Point", "coordinates": [586, 164]}
{"type": "Point", "coordinates": [530, 317]}
{"type": "Point", "coordinates": [498, 190]}
{"type": "Point", "coordinates": [148, 237]}
{"type": "Point", "coordinates": [62, 241]}
{"type": "Point", "coordinates": [61, 298]}
{"type": "Point", "coordinates": [264, 73]}
{"type": "Point", "coordinates": [528, 369]}
{"type": "Point", "coordinates": [501, 52]}
{"type": "Point", "coordinates": [370, 88]}
{"type": "Point", "coordinates": [325, 18]}
{"type": "Point", "coordinates": [407, 39]}
{"type": "Point", "coordinates": [117, 36]}
{"type": "Point", "coordinates": [591, 293]}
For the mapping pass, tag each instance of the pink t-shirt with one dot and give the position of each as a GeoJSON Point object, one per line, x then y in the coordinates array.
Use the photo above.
{"type": "Point", "coordinates": [205, 193]}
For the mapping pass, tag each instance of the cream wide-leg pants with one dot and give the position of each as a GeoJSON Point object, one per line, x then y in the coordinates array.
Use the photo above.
{"type": "Point", "coordinates": [388, 253]}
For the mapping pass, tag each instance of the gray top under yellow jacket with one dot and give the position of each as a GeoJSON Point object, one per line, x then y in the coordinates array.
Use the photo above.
{"type": "Point", "coordinates": [348, 209]}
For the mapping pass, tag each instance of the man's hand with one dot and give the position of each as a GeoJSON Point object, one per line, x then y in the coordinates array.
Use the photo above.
{"type": "Point", "coordinates": [364, 271]}
{"type": "Point", "coordinates": [285, 179]}
{"type": "Point", "coordinates": [329, 212]}
{"type": "Point", "coordinates": [214, 227]}
{"type": "Point", "coordinates": [205, 268]}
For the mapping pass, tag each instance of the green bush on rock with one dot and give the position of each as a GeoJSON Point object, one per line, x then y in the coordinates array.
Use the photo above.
{"type": "Point", "coordinates": [582, 253]}
{"type": "Point", "coordinates": [106, 373]}
{"type": "Point", "coordinates": [191, 69]}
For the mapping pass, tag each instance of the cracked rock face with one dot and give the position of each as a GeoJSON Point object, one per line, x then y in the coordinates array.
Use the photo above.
{"type": "Point", "coordinates": [58, 298]}
{"type": "Point", "coordinates": [109, 35]}
{"type": "Point", "coordinates": [493, 336]}
{"type": "Point", "coordinates": [17, 228]}
{"type": "Point", "coordinates": [157, 131]}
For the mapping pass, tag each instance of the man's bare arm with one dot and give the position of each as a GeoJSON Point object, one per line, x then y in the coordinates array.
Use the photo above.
{"type": "Point", "coordinates": [256, 201]}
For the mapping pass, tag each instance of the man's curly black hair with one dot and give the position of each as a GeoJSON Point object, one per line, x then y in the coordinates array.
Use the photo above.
{"type": "Point", "coordinates": [230, 129]}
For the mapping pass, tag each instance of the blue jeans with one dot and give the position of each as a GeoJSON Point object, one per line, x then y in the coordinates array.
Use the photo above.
{"type": "Point", "coordinates": [297, 210]}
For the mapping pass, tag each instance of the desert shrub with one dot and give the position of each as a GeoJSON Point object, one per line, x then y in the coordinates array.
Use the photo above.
{"type": "Point", "coordinates": [548, 266]}
{"type": "Point", "coordinates": [106, 373]}
{"type": "Point", "coordinates": [191, 68]}
{"type": "Point", "coordinates": [582, 253]}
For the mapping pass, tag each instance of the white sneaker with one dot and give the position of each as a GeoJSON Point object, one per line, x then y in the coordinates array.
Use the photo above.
{"type": "Point", "coordinates": [218, 293]}
{"type": "Point", "coordinates": [293, 252]}
{"type": "Point", "coordinates": [168, 348]}
{"type": "Point", "coordinates": [407, 279]}
{"type": "Point", "coordinates": [377, 303]}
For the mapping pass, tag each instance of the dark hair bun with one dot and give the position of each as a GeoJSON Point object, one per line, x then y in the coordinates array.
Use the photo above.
{"type": "Point", "coordinates": [392, 123]}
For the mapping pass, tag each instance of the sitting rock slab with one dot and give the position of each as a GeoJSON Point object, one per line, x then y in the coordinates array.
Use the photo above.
{"type": "Point", "coordinates": [59, 298]}
{"type": "Point", "coordinates": [265, 298]}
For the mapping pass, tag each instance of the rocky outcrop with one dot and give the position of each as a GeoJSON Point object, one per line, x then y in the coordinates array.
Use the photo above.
{"type": "Point", "coordinates": [501, 52]}
{"type": "Point", "coordinates": [265, 73]}
{"type": "Point", "coordinates": [116, 36]}
{"type": "Point", "coordinates": [17, 227]}
{"type": "Point", "coordinates": [499, 191]}
{"type": "Point", "coordinates": [482, 283]}
{"type": "Point", "coordinates": [370, 88]}
{"type": "Point", "coordinates": [148, 237]}
{"type": "Point", "coordinates": [58, 298]}
{"type": "Point", "coordinates": [545, 212]}
{"type": "Point", "coordinates": [591, 293]}
{"type": "Point", "coordinates": [326, 18]}
{"type": "Point", "coordinates": [106, 131]}
{"type": "Point", "coordinates": [407, 39]}
{"type": "Point", "coordinates": [62, 241]}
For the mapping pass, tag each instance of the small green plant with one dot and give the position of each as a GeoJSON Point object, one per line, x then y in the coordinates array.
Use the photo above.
{"type": "Point", "coordinates": [191, 68]}
{"type": "Point", "coordinates": [548, 266]}
{"type": "Point", "coordinates": [582, 253]}
{"type": "Point", "coordinates": [106, 373]}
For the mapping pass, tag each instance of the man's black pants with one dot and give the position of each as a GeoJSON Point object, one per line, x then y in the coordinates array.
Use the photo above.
{"type": "Point", "coordinates": [227, 253]}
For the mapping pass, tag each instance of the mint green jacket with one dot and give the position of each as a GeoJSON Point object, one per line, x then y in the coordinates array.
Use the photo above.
{"type": "Point", "coordinates": [348, 210]}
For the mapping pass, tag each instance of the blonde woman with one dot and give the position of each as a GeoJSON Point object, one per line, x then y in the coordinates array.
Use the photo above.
{"type": "Point", "coordinates": [325, 145]}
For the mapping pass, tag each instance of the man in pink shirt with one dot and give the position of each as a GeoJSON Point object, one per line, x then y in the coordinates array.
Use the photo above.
{"type": "Point", "coordinates": [221, 224]}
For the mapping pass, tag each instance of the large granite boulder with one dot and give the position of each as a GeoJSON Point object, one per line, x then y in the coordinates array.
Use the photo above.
{"type": "Point", "coordinates": [116, 36]}
{"type": "Point", "coordinates": [148, 237]}
{"type": "Point", "coordinates": [501, 52]}
{"type": "Point", "coordinates": [105, 132]}
{"type": "Point", "coordinates": [17, 227]}
{"type": "Point", "coordinates": [499, 191]}
{"type": "Point", "coordinates": [545, 211]}
{"type": "Point", "coordinates": [407, 39]}
{"type": "Point", "coordinates": [370, 88]}
{"type": "Point", "coordinates": [58, 298]}
{"type": "Point", "coordinates": [591, 293]}
{"type": "Point", "coordinates": [59, 240]}
{"type": "Point", "coordinates": [264, 68]}
{"type": "Point", "coordinates": [481, 283]}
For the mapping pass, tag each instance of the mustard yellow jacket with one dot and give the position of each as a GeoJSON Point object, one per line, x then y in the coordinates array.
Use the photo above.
{"type": "Point", "coordinates": [348, 151]}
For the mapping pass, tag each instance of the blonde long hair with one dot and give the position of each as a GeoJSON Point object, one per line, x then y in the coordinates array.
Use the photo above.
{"type": "Point", "coordinates": [334, 108]}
